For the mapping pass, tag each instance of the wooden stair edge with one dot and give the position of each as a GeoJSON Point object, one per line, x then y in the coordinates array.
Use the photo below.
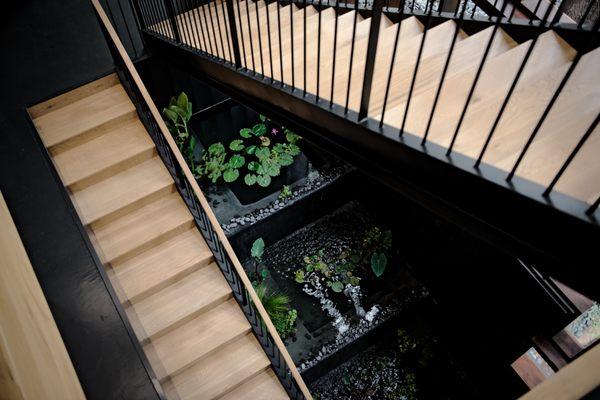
{"type": "Point", "coordinates": [72, 96]}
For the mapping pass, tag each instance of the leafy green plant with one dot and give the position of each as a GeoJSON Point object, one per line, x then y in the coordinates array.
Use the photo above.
{"type": "Point", "coordinates": [374, 248]}
{"type": "Point", "coordinates": [177, 115]}
{"type": "Point", "coordinates": [336, 273]}
{"type": "Point", "coordinates": [256, 156]}
{"type": "Point", "coordinates": [347, 267]}
{"type": "Point", "coordinates": [279, 310]}
{"type": "Point", "coordinates": [285, 193]}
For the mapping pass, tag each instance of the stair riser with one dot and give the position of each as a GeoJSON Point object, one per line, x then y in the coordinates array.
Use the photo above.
{"type": "Point", "coordinates": [145, 339]}
{"type": "Point", "coordinates": [107, 218]}
{"type": "Point", "coordinates": [111, 170]}
{"type": "Point", "coordinates": [90, 134]}
{"type": "Point", "coordinates": [168, 374]}
{"type": "Point", "coordinates": [167, 282]}
{"type": "Point", "coordinates": [163, 237]}
{"type": "Point", "coordinates": [241, 382]}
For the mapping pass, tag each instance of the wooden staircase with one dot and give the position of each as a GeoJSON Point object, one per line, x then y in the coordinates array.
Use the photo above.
{"type": "Point", "coordinates": [195, 336]}
{"type": "Point", "coordinates": [573, 113]}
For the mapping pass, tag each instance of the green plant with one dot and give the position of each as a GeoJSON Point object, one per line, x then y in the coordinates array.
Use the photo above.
{"type": "Point", "coordinates": [285, 193]}
{"type": "Point", "coordinates": [178, 114]}
{"type": "Point", "coordinates": [256, 155]}
{"type": "Point", "coordinates": [375, 244]}
{"type": "Point", "coordinates": [336, 273]}
{"type": "Point", "coordinates": [278, 308]}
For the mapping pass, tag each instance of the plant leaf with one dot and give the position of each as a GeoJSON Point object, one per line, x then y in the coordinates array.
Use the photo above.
{"type": "Point", "coordinates": [231, 175]}
{"type": "Point", "coordinates": [259, 129]}
{"type": "Point", "coordinates": [262, 118]}
{"type": "Point", "coordinates": [251, 149]}
{"type": "Point", "coordinates": [263, 180]}
{"type": "Point", "coordinates": [337, 286]}
{"type": "Point", "coordinates": [272, 169]}
{"type": "Point", "coordinates": [236, 145]}
{"type": "Point", "coordinates": [286, 159]}
{"type": "Point", "coordinates": [291, 136]}
{"type": "Point", "coordinates": [216, 148]}
{"type": "Point", "coordinates": [172, 115]}
{"type": "Point", "coordinates": [262, 153]}
{"type": "Point", "coordinates": [378, 263]}
{"type": "Point", "coordinates": [265, 141]}
{"type": "Point", "coordinates": [253, 166]}
{"type": "Point", "coordinates": [258, 248]}
{"type": "Point", "coordinates": [182, 101]}
{"type": "Point", "coordinates": [250, 179]}
{"type": "Point", "coordinates": [246, 133]}
{"type": "Point", "coordinates": [237, 161]}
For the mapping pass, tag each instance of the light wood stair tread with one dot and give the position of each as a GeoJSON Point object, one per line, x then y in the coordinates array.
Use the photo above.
{"type": "Point", "coordinates": [126, 188]}
{"type": "Point", "coordinates": [107, 152]}
{"type": "Point", "coordinates": [497, 75]}
{"type": "Point", "coordinates": [161, 265]}
{"type": "Point", "coordinates": [144, 227]}
{"type": "Point", "coordinates": [264, 386]}
{"type": "Point", "coordinates": [198, 338]}
{"type": "Point", "coordinates": [466, 55]}
{"type": "Point", "coordinates": [88, 113]}
{"type": "Point", "coordinates": [220, 372]}
{"type": "Point", "coordinates": [73, 95]}
{"type": "Point", "coordinates": [180, 302]}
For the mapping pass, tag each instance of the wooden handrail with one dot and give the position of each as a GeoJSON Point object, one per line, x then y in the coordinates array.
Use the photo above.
{"type": "Point", "coordinates": [198, 192]}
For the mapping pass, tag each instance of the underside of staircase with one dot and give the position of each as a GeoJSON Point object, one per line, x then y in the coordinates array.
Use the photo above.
{"type": "Point", "coordinates": [324, 53]}
{"type": "Point", "coordinates": [197, 339]}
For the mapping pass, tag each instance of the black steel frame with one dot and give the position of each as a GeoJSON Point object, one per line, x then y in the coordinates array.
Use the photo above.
{"type": "Point", "coordinates": [422, 163]}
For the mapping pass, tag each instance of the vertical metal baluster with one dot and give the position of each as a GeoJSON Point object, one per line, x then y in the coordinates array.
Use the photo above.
{"type": "Point", "coordinates": [241, 34]}
{"type": "Point", "coordinates": [127, 29]}
{"type": "Point", "coordinates": [250, 36]}
{"type": "Point", "coordinates": [593, 207]}
{"type": "Point", "coordinates": [292, 44]}
{"type": "Point", "coordinates": [162, 20]}
{"type": "Point", "coordinates": [171, 14]}
{"type": "Point", "coordinates": [557, 92]}
{"type": "Point", "coordinates": [232, 36]}
{"type": "Point", "coordinates": [578, 147]}
{"type": "Point", "coordinates": [512, 89]}
{"type": "Point", "coordinates": [280, 47]}
{"type": "Point", "coordinates": [477, 75]}
{"type": "Point", "coordinates": [223, 56]}
{"type": "Point", "coordinates": [228, 28]}
{"type": "Point", "coordinates": [559, 12]}
{"type": "Point", "coordinates": [393, 62]}
{"type": "Point", "coordinates": [512, 13]}
{"type": "Point", "coordinates": [185, 23]}
{"type": "Point", "coordinates": [473, 12]}
{"type": "Point", "coordinates": [370, 57]}
{"type": "Point", "coordinates": [535, 10]}
{"type": "Point", "coordinates": [319, 51]}
{"type": "Point", "coordinates": [446, 65]}
{"type": "Point", "coordinates": [335, 35]}
{"type": "Point", "coordinates": [351, 57]}
{"type": "Point", "coordinates": [212, 25]}
{"type": "Point", "coordinates": [304, 59]}
{"type": "Point", "coordinates": [154, 17]}
{"type": "Point", "coordinates": [142, 15]}
{"type": "Point", "coordinates": [262, 65]}
{"type": "Point", "coordinates": [417, 63]}
{"type": "Point", "coordinates": [214, 51]}
{"type": "Point", "coordinates": [194, 25]}
{"type": "Point", "coordinates": [198, 21]}
{"type": "Point", "coordinates": [585, 14]}
{"type": "Point", "coordinates": [269, 40]}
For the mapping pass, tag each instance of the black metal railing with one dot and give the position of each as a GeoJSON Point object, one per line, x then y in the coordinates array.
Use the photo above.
{"type": "Point", "coordinates": [249, 37]}
{"type": "Point", "coordinates": [188, 191]}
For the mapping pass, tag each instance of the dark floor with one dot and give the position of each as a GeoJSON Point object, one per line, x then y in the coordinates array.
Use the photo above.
{"type": "Point", "coordinates": [48, 47]}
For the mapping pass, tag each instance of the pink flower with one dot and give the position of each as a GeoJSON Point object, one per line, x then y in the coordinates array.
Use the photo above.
{"type": "Point", "coordinates": [274, 131]}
